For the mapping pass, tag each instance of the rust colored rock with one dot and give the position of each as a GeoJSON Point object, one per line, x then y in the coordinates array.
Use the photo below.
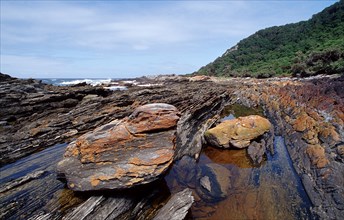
{"type": "Point", "coordinates": [317, 155]}
{"type": "Point", "coordinates": [152, 117]}
{"type": "Point", "coordinates": [237, 132]}
{"type": "Point", "coordinates": [123, 153]}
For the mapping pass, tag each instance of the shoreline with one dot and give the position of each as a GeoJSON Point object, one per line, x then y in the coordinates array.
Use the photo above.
{"type": "Point", "coordinates": [308, 113]}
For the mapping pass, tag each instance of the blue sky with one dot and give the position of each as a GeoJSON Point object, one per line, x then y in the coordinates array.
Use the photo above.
{"type": "Point", "coordinates": [114, 39]}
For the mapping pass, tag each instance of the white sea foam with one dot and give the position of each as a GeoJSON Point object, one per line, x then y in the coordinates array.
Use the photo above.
{"type": "Point", "coordinates": [116, 88]}
{"type": "Point", "coordinates": [93, 82]}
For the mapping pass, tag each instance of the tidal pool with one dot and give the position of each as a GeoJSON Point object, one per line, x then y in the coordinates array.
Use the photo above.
{"type": "Point", "coordinates": [270, 191]}
{"type": "Point", "coordinates": [42, 194]}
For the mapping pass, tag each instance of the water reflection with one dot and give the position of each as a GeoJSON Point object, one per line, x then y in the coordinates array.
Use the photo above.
{"type": "Point", "coordinates": [236, 110]}
{"type": "Point", "coordinates": [43, 194]}
{"type": "Point", "coordinates": [237, 157]}
{"type": "Point", "coordinates": [271, 191]}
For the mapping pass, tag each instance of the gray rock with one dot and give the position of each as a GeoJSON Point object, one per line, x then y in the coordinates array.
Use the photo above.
{"type": "Point", "coordinates": [177, 207]}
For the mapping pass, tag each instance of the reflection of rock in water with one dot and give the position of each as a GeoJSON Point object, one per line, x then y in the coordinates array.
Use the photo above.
{"type": "Point", "coordinates": [237, 110]}
{"type": "Point", "coordinates": [237, 157]}
{"type": "Point", "coordinates": [213, 182]}
{"type": "Point", "coordinates": [45, 191]}
{"type": "Point", "coordinates": [272, 191]}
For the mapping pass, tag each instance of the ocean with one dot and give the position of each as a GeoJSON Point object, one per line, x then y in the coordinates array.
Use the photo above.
{"type": "Point", "coordinates": [73, 81]}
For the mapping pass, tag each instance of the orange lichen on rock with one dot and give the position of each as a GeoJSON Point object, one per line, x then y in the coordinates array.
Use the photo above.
{"type": "Point", "coordinates": [123, 153]}
{"type": "Point", "coordinates": [316, 154]}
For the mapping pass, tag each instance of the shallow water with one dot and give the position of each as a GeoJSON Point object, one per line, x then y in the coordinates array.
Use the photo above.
{"type": "Point", "coordinates": [236, 110]}
{"type": "Point", "coordinates": [271, 191]}
{"type": "Point", "coordinates": [43, 194]}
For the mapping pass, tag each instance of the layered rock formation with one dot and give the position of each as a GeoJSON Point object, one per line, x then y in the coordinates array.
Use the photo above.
{"type": "Point", "coordinates": [123, 153]}
{"type": "Point", "coordinates": [308, 113]}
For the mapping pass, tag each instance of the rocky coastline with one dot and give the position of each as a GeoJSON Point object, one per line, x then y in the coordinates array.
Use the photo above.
{"type": "Point", "coordinates": [308, 113]}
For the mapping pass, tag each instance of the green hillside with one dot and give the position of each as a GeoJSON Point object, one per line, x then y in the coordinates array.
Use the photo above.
{"type": "Point", "coordinates": [305, 48]}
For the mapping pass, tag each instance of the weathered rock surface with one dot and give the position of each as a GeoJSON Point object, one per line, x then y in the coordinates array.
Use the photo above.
{"type": "Point", "coordinates": [177, 207]}
{"type": "Point", "coordinates": [213, 181]}
{"type": "Point", "coordinates": [237, 132]}
{"type": "Point", "coordinates": [122, 154]}
{"type": "Point", "coordinates": [309, 114]}
{"type": "Point", "coordinates": [38, 115]}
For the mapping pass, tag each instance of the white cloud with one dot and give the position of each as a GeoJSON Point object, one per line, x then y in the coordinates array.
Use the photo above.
{"type": "Point", "coordinates": [98, 28]}
{"type": "Point", "coordinates": [125, 36]}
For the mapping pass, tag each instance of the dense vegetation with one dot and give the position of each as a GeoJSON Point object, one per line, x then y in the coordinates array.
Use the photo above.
{"type": "Point", "coordinates": [305, 48]}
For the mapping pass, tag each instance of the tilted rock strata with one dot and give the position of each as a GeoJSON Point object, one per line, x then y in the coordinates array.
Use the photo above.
{"type": "Point", "coordinates": [237, 132]}
{"type": "Point", "coordinates": [309, 113]}
{"type": "Point", "coordinates": [177, 207]}
{"type": "Point", "coordinates": [123, 153]}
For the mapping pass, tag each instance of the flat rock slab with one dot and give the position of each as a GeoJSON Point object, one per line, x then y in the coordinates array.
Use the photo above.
{"type": "Point", "coordinates": [237, 132]}
{"type": "Point", "coordinates": [123, 153]}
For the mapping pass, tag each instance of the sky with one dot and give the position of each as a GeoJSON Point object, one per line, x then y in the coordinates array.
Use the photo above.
{"type": "Point", "coordinates": [121, 39]}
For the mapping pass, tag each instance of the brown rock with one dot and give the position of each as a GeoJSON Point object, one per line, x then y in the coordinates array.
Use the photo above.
{"type": "Point", "coordinates": [122, 154]}
{"type": "Point", "coordinates": [317, 156]}
{"type": "Point", "coordinates": [153, 117]}
{"type": "Point", "coordinates": [340, 150]}
{"type": "Point", "coordinates": [237, 132]}
{"type": "Point", "coordinates": [199, 78]}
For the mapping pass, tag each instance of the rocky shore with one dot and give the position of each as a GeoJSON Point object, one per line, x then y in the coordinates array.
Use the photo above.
{"type": "Point", "coordinates": [308, 113]}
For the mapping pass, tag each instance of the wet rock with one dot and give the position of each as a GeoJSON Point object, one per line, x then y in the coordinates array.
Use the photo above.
{"type": "Point", "coordinates": [185, 170]}
{"type": "Point", "coordinates": [256, 151]}
{"type": "Point", "coordinates": [213, 182]}
{"type": "Point", "coordinates": [123, 153]}
{"type": "Point", "coordinates": [237, 132]}
{"type": "Point", "coordinates": [259, 148]}
{"type": "Point", "coordinates": [17, 182]}
{"type": "Point", "coordinates": [309, 114]}
{"type": "Point", "coordinates": [177, 207]}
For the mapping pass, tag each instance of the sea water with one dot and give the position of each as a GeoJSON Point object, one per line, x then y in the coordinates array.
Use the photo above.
{"type": "Point", "coordinates": [74, 81]}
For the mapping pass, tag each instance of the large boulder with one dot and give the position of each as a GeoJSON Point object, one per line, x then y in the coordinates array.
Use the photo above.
{"type": "Point", "coordinates": [123, 153]}
{"type": "Point", "coordinates": [237, 132]}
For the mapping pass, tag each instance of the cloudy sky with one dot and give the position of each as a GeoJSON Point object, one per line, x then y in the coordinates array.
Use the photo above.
{"type": "Point", "coordinates": [113, 39]}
